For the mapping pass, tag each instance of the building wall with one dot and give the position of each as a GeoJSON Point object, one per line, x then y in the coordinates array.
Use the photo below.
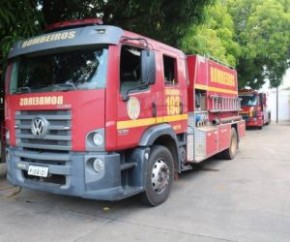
{"type": "Point", "coordinates": [283, 104]}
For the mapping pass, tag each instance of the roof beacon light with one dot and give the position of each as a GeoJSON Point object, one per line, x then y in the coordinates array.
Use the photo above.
{"type": "Point", "coordinates": [73, 23]}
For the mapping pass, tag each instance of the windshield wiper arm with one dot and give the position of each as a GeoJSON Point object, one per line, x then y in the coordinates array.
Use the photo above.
{"type": "Point", "coordinates": [22, 90]}
{"type": "Point", "coordinates": [65, 86]}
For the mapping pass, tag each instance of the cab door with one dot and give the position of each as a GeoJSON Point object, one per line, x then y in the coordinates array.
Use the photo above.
{"type": "Point", "coordinates": [136, 104]}
{"type": "Point", "coordinates": [174, 92]}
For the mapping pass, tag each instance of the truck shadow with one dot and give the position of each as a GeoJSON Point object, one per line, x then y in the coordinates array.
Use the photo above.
{"type": "Point", "coordinates": [210, 164]}
{"type": "Point", "coordinates": [42, 202]}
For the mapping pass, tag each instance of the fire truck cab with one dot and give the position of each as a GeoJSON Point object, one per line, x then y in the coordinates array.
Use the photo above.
{"type": "Point", "coordinates": [254, 108]}
{"type": "Point", "coordinates": [102, 113]}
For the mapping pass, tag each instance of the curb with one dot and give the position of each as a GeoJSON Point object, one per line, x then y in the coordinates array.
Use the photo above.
{"type": "Point", "coordinates": [3, 170]}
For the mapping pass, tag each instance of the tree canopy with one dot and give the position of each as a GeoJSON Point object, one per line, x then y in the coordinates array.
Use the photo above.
{"type": "Point", "coordinates": [165, 20]}
{"type": "Point", "coordinates": [18, 19]}
{"type": "Point", "coordinates": [262, 31]}
{"type": "Point", "coordinates": [252, 35]}
{"type": "Point", "coordinates": [214, 37]}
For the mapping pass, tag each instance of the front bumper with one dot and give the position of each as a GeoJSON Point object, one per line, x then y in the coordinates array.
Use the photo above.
{"type": "Point", "coordinates": [253, 121]}
{"type": "Point", "coordinates": [73, 174]}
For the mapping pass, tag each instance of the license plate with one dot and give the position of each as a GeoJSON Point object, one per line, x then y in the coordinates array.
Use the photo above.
{"type": "Point", "coordinates": [38, 171]}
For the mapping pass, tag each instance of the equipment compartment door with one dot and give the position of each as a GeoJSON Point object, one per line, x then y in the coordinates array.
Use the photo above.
{"type": "Point", "coordinates": [211, 142]}
{"type": "Point", "coordinates": [224, 136]}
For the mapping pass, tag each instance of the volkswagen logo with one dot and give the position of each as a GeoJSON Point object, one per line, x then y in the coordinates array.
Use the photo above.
{"type": "Point", "coordinates": [39, 127]}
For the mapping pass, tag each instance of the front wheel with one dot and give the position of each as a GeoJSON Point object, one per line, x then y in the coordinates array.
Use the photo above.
{"type": "Point", "coordinates": [159, 177]}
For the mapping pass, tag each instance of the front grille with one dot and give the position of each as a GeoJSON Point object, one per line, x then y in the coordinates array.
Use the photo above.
{"type": "Point", "coordinates": [51, 150]}
{"type": "Point", "coordinates": [58, 137]}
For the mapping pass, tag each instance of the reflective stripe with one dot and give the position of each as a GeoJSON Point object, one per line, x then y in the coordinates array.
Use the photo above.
{"type": "Point", "coordinates": [150, 121]}
{"type": "Point", "coordinates": [215, 89]}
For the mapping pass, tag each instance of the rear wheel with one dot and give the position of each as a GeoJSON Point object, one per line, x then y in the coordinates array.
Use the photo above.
{"type": "Point", "coordinates": [269, 119]}
{"type": "Point", "coordinates": [231, 152]}
{"type": "Point", "coordinates": [159, 177]}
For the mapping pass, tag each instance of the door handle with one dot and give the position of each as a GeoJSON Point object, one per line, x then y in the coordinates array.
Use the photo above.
{"type": "Point", "coordinates": [154, 109]}
{"type": "Point", "coordinates": [180, 107]}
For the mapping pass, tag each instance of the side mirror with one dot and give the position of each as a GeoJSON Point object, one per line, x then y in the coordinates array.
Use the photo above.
{"type": "Point", "coordinates": [148, 66]}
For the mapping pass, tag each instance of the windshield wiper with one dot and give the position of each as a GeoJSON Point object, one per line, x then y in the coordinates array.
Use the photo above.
{"type": "Point", "coordinates": [22, 90]}
{"type": "Point", "coordinates": [67, 86]}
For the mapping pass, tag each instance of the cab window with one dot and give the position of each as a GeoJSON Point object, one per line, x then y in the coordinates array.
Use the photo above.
{"type": "Point", "coordinates": [130, 69]}
{"type": "Point", "coordinates": [170, 72]}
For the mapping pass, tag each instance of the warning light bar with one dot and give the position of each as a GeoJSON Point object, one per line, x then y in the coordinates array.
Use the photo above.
{"type": "Point", "coordinates": [73, 23]}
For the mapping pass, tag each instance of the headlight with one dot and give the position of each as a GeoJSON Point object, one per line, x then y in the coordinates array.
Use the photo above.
{"type": "Point", "coordinates": [7, 136]}
{"type": "Point", "coordinates": [98, 139]}
{"type": "Point", "coordinates": [98, 165]}
{"type": "Point", "coordinates": [95, 140]}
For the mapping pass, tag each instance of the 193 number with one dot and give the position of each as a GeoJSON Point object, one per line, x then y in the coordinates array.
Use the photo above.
{"type": "Point", "coordinates": [173, 105]}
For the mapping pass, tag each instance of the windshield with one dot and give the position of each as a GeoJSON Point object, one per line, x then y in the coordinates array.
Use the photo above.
{"type": "Point", "coordinates": [81, 69]}
{"type": "Point", "coordinates": [249, 100]}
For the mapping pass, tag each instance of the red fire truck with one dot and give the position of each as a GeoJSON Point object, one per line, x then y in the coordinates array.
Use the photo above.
{"type": "Point", "coordinates": [254, 108]}
{"type": "Point", "coordinates": [102, 113]}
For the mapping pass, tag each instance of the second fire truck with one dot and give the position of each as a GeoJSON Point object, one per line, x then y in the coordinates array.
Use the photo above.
{"type": "Point", "coordinates": [255, 110]}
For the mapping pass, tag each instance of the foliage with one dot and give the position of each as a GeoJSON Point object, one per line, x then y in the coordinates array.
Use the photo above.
{"type": "Point", "coordinates": [165, 20]}
{"type": "Point", "coordinates": [251, 34]}
{"type": "Point", "coordinates": [214, 37]}
{"type": "Point", "coordinates": [262, 30]}
{"type": "Point", "coordinates": [18, 19]}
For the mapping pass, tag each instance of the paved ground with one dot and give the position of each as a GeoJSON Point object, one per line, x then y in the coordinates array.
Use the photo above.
{"type": "Point", "coordinates": [247, 199]}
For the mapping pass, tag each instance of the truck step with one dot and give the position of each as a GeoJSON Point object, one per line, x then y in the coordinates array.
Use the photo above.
{"type": "Point", "coordinates": [126, 166]}
{"type": "Point", "coordinates": [129, 191]}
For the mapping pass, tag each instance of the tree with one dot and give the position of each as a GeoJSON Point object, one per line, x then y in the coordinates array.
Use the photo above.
{"type": "Point", "coordinates": [262, 30]}
{"type": "Point", "coordinates": [18, 19]}
{"type": "Point", "coordinates": [165, 20]}
{"type": "Point", "coordinates": [214, 37]}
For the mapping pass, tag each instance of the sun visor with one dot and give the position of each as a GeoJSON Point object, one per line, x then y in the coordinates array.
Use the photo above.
{"type": "Point", "coordinates": [91, 35]}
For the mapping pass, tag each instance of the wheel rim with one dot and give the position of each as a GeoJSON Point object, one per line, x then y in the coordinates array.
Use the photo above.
{"type": "Point", "coordinates": [160, 176]}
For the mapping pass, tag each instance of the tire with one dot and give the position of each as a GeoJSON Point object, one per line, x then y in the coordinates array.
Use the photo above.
{"type": "Point", "coordinates": [269, 118]}
{"type": "Point", "coordinates": [3, 154]}
{"type": "Point", "coordinates": [231, 152]}
{"type": "Point", "coordinates": [159, 176]}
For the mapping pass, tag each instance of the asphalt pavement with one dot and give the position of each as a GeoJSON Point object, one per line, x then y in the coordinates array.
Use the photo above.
{"type": "Point", "coordinates": [246, 199]}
